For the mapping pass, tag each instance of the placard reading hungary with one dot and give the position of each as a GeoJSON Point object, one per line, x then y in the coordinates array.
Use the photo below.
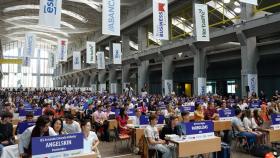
{"type": "Point", "coordinates": [201, 22]}
{"type": "Point", "coordinates": [111, 17]}
{"type": "Point", "coordinates": [91, 52]}
{"type": "Point", "coordinates": [50, 13]}
{"type": "Point", "coordinates": [160, 19]}
{"type": "Point", "coordinates": [62, 49]}
{"type": "Point", "coordinates": [76, 60]}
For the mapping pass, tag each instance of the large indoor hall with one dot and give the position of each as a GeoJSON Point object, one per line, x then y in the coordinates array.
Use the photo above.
{"type": "Point", "coordinates": [139, 79]}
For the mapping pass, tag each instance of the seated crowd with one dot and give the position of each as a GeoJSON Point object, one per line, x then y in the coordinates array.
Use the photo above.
{"type": "Point", "coordinates": [89, 113]}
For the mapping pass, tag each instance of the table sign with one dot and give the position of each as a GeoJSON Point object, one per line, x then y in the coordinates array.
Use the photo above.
{"type": "Point", "coordinates": [144, 120]}
{"type": "Point", "coordinates": [190, 109]}
{"type": "Point", "coordinates": [36, 112]}
{"type": "Point", "coordinates": [226, 114]}
{"type": "Point", "coordinates": [160, 119]}
{"type": "Point", "coordinates": [61, 146]}
{"type": "Point", "coordinates": [22, 126]}
{"type": "Point", "coordinates": [255, 104]}
{"type": "Point", "coordinates": [131, 112]}
{"type": "Point", "coordinates": [199, 130]}
{"type": "Point", "coordinates": [275, 118]}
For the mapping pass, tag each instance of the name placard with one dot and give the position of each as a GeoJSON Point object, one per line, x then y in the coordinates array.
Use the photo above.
{"type": "Point", "coordinates": [199, 130]}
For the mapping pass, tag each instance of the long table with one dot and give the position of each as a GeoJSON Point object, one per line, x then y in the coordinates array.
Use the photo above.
{"type": "Point", "coordinates": [90, 155]}
{"type": "Point", "coordinates": [222, 125]}
{"type": "Point", "coordinates": [273, 135]}
{"type": "Point", "coordinates": [114, 123]}
{"type": "Point", "coordinates": [191, 148]}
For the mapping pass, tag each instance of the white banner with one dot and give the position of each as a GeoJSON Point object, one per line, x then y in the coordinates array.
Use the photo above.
{"type": "Point", "coordinates": [50, 13]}
{"type": "Point", "coordinates": [91, 52]}
{"type": "Point", "coordinates": [94, 88]}
{"type": "Point", "coordinates": [160, 19]}
{"type": "Point", "coordinates": [201, 22]}
{"type": "Point", "coordinates": [62, 49]}
{"type": "Point", "coordinates": [29, 45]}
{"type": "Point", "coordinates": [201, 84]}
{"type": "Point", "coordinates": [100, 60]}
{"type": "Point", "coordinates": [26, 61]}
{"type": "Point", "coordinates": [111, 17]}
{"type": "Point", "coordinates": [51, 61]}
{"type": "Point", "coordinates": [254, 2]}
{"type": "Point", "coordinates": [102, 88]}
{"type": "Point", "coordinates": [253, 83]}
{"type": "Point", "coordinates": [117, 53]}
{"type": "Point", "coordinates": [77, 60]}
{"type": "Point", "coordinates": [168, 87]}
{"type": "Point", "coordinates": [113, 88]}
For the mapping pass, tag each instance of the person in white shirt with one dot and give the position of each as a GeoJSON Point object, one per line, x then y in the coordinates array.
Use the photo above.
{"type": "Point", "coordinates": [41, 128]}
{"type": "Point", "coordinates": [90, 138]}
{"type": "Point", "coordinates": [136, 119]}
{"type": "Point", "coordinates": [70, 126]}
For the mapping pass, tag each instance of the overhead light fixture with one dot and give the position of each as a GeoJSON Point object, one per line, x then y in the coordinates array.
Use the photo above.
{"type": "Point", "coordinates": [107, 48]}
{"type": "Point", "coordinates": [237, 10]}
{"type": "Point", "coordinates": [236, 4]}
{"type": "Point", "coordinates": [37, 7]}
{"type": "Point", "coordinates": [226, 1]}
{"type": "Point", "coordinates": [133, 45]}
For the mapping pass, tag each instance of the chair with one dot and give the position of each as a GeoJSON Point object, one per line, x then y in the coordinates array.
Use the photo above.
{"type": "Point", "coordinates": [148, 152]}
{"type": "Point", "coordinates": [120, 138]}
{"type": "Point", "coordinates": [239, 139]}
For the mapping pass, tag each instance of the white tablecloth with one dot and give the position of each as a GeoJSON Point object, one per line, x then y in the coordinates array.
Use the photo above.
{"type": "Point", "coordinates": [10, 151]}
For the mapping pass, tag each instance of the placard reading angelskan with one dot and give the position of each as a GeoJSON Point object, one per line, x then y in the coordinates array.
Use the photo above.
{"type": "Point", "coordinates": [61, 146]}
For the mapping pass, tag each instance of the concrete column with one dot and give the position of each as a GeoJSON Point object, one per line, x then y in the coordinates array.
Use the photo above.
{"type": "Point", "coordinates": [143, 70]}
{"type": "Point", "coordinates": [199, 72]}
{"type": "Point", "coordinates": [102, 80]}
{"type": "Point", "coordinates": [125, 76]}
{"type": "Point", "coordinates": [142, 38]}
{"type": "Point", "coordinates": [80, 80]}
{"type": "Point", "coordinates": [167, 75]}
{"type": "Point", "coordinates": [125, 45]}
{"type": "Point", "coordinates": [93, 81]}
{"type": "Point", "coordinates": [113, 80]}
{"type": "Point", "coordinates": [86, 82]}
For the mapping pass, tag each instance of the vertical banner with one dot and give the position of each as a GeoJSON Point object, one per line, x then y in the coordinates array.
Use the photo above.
{"type": "Point", "coordinates": [201, 22]}
{"type": "Point", "coordinates": [113, 88]}
{"type": "Point", "coordinates": [26, 61]}
{"type": "Point", "coordinates": [94, 88]}
{"type": "Point", "coordinates": [254, 2]}
{"type": "Point", "coordinates": [76, 60]}
{"type": "Point", "coordinates": [102, 87]}
{"type": "Point", "coordinates": [168, 87]}
{"type": "Point", "coordinates": [100, 60]}
{"type": "Point", "coordinates": [29, 45]}
{"type": "Point", "coordinates": [253, 83]}
{"type": "Point", "coordinates": [62, 49]}
{"type": "Point", "coordinates": [91, 52]}
{"type": "Point", "coordinates": [117, 53]}
{"type": "Point", "coordinates": [160, 19]}
{"type": "Point", "coordinates": [111, 17]}
{"type": "Point", "coordinates": [201, 84]}
{"type": "Point", "coordinates": [51, 61]}
{"type": "Point", "coordinates": [50, 13]}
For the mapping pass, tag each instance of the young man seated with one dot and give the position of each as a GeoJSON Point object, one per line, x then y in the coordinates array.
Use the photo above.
{"type": "Point", "coordinates": [186, 118]}
{"type": "Point", "coordinates": [6, 131]}
{"type": "Point", "coordinates": [170, 128]}
{"type": "Point", "coordinates": [154, 142]}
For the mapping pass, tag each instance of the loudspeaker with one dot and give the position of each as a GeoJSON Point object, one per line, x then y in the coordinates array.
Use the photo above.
{"type": "Point", "coordinates": [247, 88]}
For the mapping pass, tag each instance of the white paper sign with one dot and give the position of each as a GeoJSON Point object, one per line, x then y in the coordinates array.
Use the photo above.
{"type": "Point", "coordinates": [29, 45]}
{"type": "Point", "coordinates": [50, 13]}
{"type": "Point", "coordinates": [91, 52]}
{"type": "Point", "coordinates": [117, 53]}
{"type": "Point", "coordinates": [113, 88]}
{"type": "Point", "coordinates": [253, 83]}
{"type": "Point", "coordinates": [111, 17]}
{"type": "Point", "coordinates": [102, 87]}
{"type": "Point", "coordinates": [160, 19]}
{"type": "Point", "coordinates": [201, 22]}
{"type": "Point", "coordinates": [76, 60]}
{"type": "Point", "coordinates": [254, 2]}
{"type": "Point", "coordinates": [100, 60]}
{"type": "Point", "coordinates": [62, 49]}
{"type": "Point", "coordinates": [201, 83]}
{"type": "Point", "coordinates": [168, 87]}
{"type": "Point", "coordinates": [94, 88]}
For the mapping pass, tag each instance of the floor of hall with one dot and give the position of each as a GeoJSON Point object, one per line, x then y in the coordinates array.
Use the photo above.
{"type": "Point", "coordinates": [107, 151]}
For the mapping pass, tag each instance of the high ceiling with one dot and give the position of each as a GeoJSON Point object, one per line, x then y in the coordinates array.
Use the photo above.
{"type": "Point", "coordinates": [79, 17]}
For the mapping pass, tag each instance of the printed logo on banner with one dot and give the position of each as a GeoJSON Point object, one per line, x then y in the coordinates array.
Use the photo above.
{"type": "Point", "coordinates": [253, 83]}
{"type": "Point", "coordinates": [160, 22]}
{"type": "Point", "coordinates": [275, 118]}
{"type": "Point", "coordinates": [62, 49]}
{"type": "Point", "coordinates": [201, 22]}
{"type": "Point", "coordinates": [226, 114]}
{"type": "Point", "coordinates": [76, 60]}
{"type": "Point", "coordinates": [111, 17]}
{"type": "Point", "coordinates": [199, 130]}
{"type": "Point", "coordinates": [91, 51]}
{"type": "Point", "coordinates": [29, 45]}
{"type": "Point", "coordinates": [100, 60]}
{"type": "Point", "coordinates": [50, 13]}
{"type": "Point", "coordinates": [57, 145]}
{"type": "Point", "coordinates": [117, 53]}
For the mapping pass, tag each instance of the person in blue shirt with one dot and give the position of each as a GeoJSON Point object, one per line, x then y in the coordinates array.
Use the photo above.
{"type": "Point", "coordinates": [185, 119]}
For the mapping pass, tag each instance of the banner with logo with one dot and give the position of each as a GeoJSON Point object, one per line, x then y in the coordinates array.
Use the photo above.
{"type": "Point", "coordinates": [275, 118]}
{"type": "Point", "coordinates": [168, 87]}
{"type": "Point", "coordinates": [51, 61]}
{"type": "Point", "coordinates": [91, 52]}
{"type": "Point", "coordinates": [226, 114]}
{"type": "Point", "coordinates": [255, 104]}
{"type": "Point", "coordinates": [36, 111]}
{"type": "Point", "coordinates": [50, 13]}
{"type": "Point", "coordinates": [29, 45]}
{"type": "Point", "coordinates": [26, 61]}
{"type": "Point", "coordinates": [77, 60]}
{"type": "Point", "coordinates": [201, 22]}
{"type": "Point", "coordinates": [201, 83]}
{"type": "Point", "coordinates": [113, 88]}
{"type": "Point", "coordinates": [58, 146]}
{"type": "Point", "coordinates": [254, 2]}
{"type": "Point", "coordinates": [190, 109]}
{"type": "Point", "coordinates": [62, 49]}
{"type": "Point", "coordinates": [117, 53]}
{"type": "Point", "coordinates": [253, 83]}
{"type": "Point", "coordinates": [93, 88]}
{"type": "Point", "coordinates": [160, 19]}
{"type": "Point", "coordinates": [111, 17]}
{"type": "Point", "coordinates": [100, 60]}
{"type": "Point", "coordinates": [102, 87]}
{"type": "Point", "coordinates": [199, 130]}
{"type": "Point", "coordinates": [22, 126]}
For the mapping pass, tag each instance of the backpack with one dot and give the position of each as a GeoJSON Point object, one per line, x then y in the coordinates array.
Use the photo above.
{"type": "Point", "coordinates": [261, 150]}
